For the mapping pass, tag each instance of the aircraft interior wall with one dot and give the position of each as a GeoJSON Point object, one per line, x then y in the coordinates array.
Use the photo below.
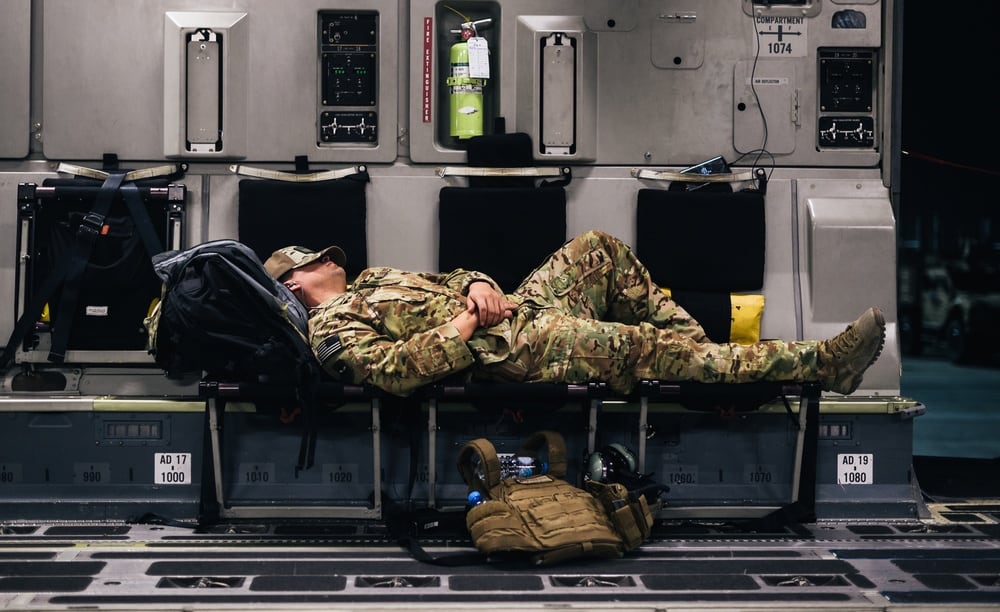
{"type": "Point", "coordinates": [649, 84]}
{"type": "Point", "coordinates": [121, 487]}
{"type": "Point", "coordinates": [605, 88]}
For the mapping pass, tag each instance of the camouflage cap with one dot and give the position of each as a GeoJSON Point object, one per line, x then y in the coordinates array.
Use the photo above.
{"type": "Point", "coordinates": [283, 261]}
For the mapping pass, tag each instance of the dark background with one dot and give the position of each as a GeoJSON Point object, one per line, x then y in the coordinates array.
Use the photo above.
{"type": "Point", "coordinates": [950, 104]}
{"type": "Point", "coordinates": [949, 211]}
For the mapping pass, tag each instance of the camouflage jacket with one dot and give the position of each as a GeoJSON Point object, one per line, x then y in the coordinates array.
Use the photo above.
{"type": "Point", "coordinates": [392, 329]}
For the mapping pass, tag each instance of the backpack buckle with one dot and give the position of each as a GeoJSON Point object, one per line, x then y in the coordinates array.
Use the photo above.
{"type": "Point", "coordinates": [92, 223]}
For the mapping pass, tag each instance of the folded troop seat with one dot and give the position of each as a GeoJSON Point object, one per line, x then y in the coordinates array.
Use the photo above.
{"type": "Point", "coordinates": [84, 278]}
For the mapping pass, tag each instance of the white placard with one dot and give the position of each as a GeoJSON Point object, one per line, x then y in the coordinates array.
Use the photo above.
{"type": "Point", "coordinates": [479, 58]}
{"type": "Point", "coordinates": [172, 468]}
{"type": "Point", "coordinates": [784, 36]}
{"type": "Point", "coordinates": [856, 469]}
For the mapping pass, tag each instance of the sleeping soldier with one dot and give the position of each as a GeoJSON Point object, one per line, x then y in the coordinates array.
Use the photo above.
{"type": "Point", "coordinates": [591, 312]}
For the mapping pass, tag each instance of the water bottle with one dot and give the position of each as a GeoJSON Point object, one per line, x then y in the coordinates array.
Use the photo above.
{"type": "Point", "coordinates": [479, 470]}
{"type": "Point", "coordinates": [475, 498]}
{"type": "Point", "coordinates": [527, 466]}
{"type": "Point", "coordinates": [522, 467]}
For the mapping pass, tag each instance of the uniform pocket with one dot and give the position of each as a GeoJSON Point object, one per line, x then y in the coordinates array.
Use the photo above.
{"type": "Point", "coordinates": [575, 275]}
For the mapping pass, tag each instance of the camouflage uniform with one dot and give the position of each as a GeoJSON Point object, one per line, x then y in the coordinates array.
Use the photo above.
{"type": "Point", "coordinates": [591, 312]}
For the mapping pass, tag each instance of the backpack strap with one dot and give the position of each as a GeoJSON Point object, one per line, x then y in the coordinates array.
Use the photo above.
{"type": "Point", "coordinates": [488, 463]}
{"type": "Point", "coordinates": [307, 384]}
{"type": "Point", "coordinates": [32, 312]}
{"type": "Point", "coordinates": [143, 224]}
{"type": "Point", "coordinates": [555, 446]}
{"type": "Point", "coordinates": [86, 234]}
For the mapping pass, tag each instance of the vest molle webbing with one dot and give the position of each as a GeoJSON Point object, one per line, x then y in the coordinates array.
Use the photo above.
{"type": "Point", "coordinates": [543, 515]}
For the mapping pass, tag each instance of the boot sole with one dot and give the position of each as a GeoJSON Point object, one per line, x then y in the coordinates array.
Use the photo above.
{"type": "Point", "coordinates": [880, 321]}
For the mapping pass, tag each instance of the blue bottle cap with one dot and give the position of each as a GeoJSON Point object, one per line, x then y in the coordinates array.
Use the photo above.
{"type": "Point", "coordinates": [475, 498]}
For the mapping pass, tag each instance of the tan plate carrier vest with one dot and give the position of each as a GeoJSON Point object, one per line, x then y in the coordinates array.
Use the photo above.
{"type": "Point", "coordinates": [545, 516]}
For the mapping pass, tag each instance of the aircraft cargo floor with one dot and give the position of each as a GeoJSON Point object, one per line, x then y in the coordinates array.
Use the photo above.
{"type": "Point", "coordinates": [950, 560]}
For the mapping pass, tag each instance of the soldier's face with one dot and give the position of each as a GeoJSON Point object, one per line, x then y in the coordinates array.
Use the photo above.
{"type": "Point", "coordinates": [317, 282]}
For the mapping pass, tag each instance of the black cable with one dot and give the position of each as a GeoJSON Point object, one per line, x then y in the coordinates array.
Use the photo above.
{"type": "Point", "coordinates": [760, 109]}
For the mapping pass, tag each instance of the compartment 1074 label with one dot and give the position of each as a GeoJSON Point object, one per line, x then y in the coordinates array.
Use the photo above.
{"type": "Point", "coordinates": [856, 469]}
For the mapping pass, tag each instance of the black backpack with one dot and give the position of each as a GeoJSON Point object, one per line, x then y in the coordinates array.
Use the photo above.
{"type": "Point", "coordinates": [222, 314]}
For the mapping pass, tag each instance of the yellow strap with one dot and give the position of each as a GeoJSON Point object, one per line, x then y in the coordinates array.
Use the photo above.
{"type": "Point", "coordinates": [464, 80]}
{"type": "Point", "coordinates": [747, 310]}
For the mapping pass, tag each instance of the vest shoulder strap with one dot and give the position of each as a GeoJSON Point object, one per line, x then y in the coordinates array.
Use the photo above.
{"type": "Point", "coordinates": [483, 450]}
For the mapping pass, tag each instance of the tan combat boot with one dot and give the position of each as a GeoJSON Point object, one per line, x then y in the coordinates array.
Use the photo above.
{"type": "Point", "coordinates": [844, 358]}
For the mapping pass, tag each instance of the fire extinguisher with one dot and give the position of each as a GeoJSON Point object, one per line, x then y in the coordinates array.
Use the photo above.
{"type": "Point", "coordinates": [469, 73]}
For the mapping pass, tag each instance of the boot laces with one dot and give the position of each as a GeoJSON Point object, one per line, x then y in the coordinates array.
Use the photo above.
{"type": "Point", "coordinates": [845, 343]}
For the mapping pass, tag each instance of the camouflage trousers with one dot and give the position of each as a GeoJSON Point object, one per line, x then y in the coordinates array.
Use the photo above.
{"type": "Point", "coordinates": [591, 312]}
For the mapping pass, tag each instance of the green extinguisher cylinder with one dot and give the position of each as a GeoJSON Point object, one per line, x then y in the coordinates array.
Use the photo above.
{"type": "Point", "coordinates": [466, 100]}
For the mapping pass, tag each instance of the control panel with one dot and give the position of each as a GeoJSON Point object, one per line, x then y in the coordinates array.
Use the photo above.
{"type": "Point", "coordinates": [846, 98]}
{"type": "Point", "coordinates": [348, 54]}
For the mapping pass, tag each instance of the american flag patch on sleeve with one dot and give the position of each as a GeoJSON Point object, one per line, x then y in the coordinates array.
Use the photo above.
{"type": "Point", "coordinates": [328, 348]}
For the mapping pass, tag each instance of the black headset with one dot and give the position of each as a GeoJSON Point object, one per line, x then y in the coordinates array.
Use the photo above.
{"type": "Point", "coordinates": [610, 464]}
{"type": "Point", "coordinates": [616, 463]}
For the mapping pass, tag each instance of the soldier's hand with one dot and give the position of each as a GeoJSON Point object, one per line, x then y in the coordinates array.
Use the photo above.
{"type": "Point", "coordinates": [491, 305]}
{"type": "Point", "coordinates": [466, 322]}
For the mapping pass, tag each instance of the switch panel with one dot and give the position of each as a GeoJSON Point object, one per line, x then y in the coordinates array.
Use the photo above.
{"type": "Point", "coordinates": [846, 98]}
{"type": "Point", "coordinates": [348, 52]}
{"type": "Point", "coordinates": [846, 80]}
{"type": "Point", "coordinates": [846, 132]}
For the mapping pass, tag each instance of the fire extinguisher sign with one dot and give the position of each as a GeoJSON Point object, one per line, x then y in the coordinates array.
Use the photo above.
{"type": "Point", "coordinates": [428, 62]}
